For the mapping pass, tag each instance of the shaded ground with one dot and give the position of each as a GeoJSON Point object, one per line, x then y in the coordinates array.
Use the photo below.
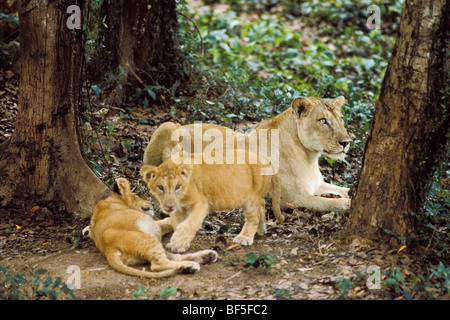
{"type": "Point", "coordinates": [311, 263]}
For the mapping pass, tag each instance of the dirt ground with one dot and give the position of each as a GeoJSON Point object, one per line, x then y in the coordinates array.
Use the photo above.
{"type": "Point", "coordinates": [311, 262]}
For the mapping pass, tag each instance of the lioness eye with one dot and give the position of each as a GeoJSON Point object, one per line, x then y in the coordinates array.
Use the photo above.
{"type": "Point", "coordinates": [177, 187]}
{"type": "Point", "coordinates": [323, 121]}
{"type": "Point", "coordinates": [161, 188]}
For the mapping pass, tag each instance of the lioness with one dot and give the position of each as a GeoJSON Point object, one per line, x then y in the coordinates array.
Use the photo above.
{"type": "Point", "coordinates": [187, 192]}
{"type": "Point", "coordinates": [310, 127]}
{"type": "Point", "coordinates": [127, 235]}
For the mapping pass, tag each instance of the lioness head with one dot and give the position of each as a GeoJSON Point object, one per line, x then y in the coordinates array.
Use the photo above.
{"type": "Point", "coordinates": [122, 188]}
{"type": "Point", "coordinates": [168, 183]}
{"type": "Point", "coordinates": [320, 126]}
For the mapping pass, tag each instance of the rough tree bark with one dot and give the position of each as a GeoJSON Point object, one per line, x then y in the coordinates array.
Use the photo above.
{"type": "Point", "coordinates": [410, 125]}
{"type": "Point", "coordinates": [142, 37]}
{"type": "Point", "coordinates": [43, 164]}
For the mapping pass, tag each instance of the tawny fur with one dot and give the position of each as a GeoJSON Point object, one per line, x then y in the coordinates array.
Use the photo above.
{"type": "Point", "coordinates": [187, 192]}
{"type": "Point", "coordinates": [127, 235]}
{"type": "Point", "coordinates": [310, 127]}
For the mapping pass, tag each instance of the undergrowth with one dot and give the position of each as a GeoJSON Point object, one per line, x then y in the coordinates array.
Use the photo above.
{"type": "Point", "coordinates": [31, 285]}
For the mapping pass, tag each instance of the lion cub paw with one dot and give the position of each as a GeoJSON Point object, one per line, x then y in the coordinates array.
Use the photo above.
{"type": "Point", "coordinates": [245, 241]}
{"type": "Point", "coordinates": [208, 256]}
{"type": "Point", "coordinates": [261, 228]}
{"type": "Point", "coordinates": [176, 246]}
{"type": "Point", "coordinates": [189, 267]}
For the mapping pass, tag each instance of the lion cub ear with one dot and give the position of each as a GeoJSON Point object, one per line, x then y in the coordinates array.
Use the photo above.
{"type": "Point", "coordinates": [301, 106]}
{"type": "Point", "coordinates": [185, 170]}
{"type": "Point", "coordinates": [148, 172]}
{"type": "Point", "coordinates": [338, 102]}
{"type": "Point", "coordinates": [122, 186]}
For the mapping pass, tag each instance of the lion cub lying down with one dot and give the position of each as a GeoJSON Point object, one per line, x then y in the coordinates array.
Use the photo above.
{"type": "Point", "coordinates": [128, 236]}
{"type": "Point", "coordinates": [187, 192]}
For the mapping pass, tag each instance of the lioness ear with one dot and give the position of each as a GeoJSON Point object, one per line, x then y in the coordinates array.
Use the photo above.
{"type": "Point", "coordinates": [148, 172]}
{"type": "Point", "coordinates": [300, 106]}
{"type": "Point", "coordinates": [122, 186]}
{"type": "Point", "coordinates": [337, 102]}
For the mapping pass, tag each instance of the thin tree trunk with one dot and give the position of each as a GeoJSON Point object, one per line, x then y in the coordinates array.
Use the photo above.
{"type": "Point", "coordinates": [409, 127]}
{"type": "Point", "coordinates": [42, 163]}
{"type": "Point", "coordinates": [144, 43]}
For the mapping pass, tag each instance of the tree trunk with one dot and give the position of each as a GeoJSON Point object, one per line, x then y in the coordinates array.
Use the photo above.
{"type": "Point", "coordinates": [143, 36]}
{"type": "Point", "coordinates": [43, 164]}
{"type": "Point", "coordinates": [410, 125]}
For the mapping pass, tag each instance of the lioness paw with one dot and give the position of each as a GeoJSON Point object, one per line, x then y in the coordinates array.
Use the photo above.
{"type": "Point", "coordinates": [346, 202]}
{"type": "Point", "coordinates": [245, 241]}
{"type": "Point", "coordinates": [189, 267]}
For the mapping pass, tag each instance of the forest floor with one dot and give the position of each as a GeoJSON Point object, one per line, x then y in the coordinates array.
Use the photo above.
{"type": "Point", "coordinates": [310, 261]}
{"type": "Point", "coordinates": [306, 258]}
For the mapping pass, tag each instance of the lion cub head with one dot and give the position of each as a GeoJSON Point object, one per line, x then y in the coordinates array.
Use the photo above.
{"type": "Point", "coordinates": [168, 183]}
{"type": "Point", "coordinates": [320, 126]}
{"type": "Point", "coordinates": [121, 197]}
{"type": "Point", "coordinates": [122, 189]}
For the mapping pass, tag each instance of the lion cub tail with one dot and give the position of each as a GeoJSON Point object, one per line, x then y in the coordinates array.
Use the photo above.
{"type": "Point", "coordinates": [116, 263]}
{"type": "Point", "coordinates": [276, 195]}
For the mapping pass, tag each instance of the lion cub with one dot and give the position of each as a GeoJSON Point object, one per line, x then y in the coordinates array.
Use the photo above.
{"type": "Point", "coordinates": [127, 235]}
{"type": "Point", "coordinates": [187, 192]}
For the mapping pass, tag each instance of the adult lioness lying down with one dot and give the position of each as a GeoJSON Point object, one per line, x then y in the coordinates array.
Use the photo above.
{"type": "Point", "coordinates": [310, 127]}
{"type": "Point", "coordinates": [127, 235]}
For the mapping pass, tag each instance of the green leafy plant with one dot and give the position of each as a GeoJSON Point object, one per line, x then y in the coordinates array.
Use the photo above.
{"type": "Point", "coordinates": [282, 294]}
{"type": "Point", "coordinates": [434, 286]}
{"type": "Point", "coordinates": [344, 284]}
{"type": "Point", "coordinates": [395, 283]}
{"type": "Point", "coordinates": [168, 292]}
{"type": "Point", "coordinates": [140, 294]}
{"type": "Point", "coordinates": [31, 286]}
{"type": "Point", "coordinates": [253, 259]}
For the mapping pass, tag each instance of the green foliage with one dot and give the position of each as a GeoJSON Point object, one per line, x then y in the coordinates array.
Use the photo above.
{"type": "Point", "coordinates": [282, 294]}
{"type": "Point", "coordinates": [433, 286]}
{"type": "Point", "coordinates": [253, 68]}
{"type": "Point", "coordinates": [168, 292]}
{"type": "Point", "coordinates": [434, 219]}
{"type": "Point", "coordinates": [10, 19]}
{"type": "Point", "coordinates": [31, 286]}
{"type": "Point", "coordinates": [253, 259]}
{"type": "Point", "coordinates": [395, 284]}
{"type": "Point", "coordinates": [344, 284]}
{"type": "Point", "coordinates": [140, 294]}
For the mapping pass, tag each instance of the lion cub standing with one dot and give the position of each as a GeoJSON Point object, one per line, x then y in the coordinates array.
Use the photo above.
{"type": "Point", "coordinates": [127, 235]}
{"type": "Point", "coordinates": [187, 192]}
